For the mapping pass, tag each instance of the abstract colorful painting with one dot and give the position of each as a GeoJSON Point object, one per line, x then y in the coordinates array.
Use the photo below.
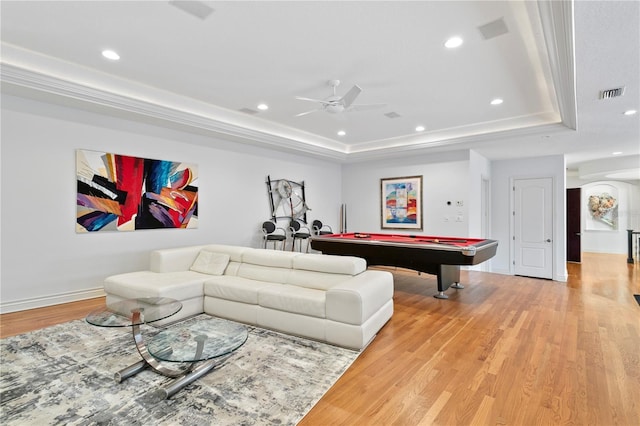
{"type": "Point", "coordinates": [401, 203]}
{"type": "Point", "coordinates": [124, 193]}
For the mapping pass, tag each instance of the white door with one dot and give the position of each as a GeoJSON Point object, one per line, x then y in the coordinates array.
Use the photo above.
{"type": "Point", "coordinates": [533, 227]}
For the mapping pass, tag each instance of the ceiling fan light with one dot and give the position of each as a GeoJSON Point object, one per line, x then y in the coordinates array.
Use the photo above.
{"type": "Point", "coordinates": [341, 133]}
{"type": "Point", "coordinates": [453, 42]}
{"type": "Point", "coordinates": [263, 107]}
{"type": "Point", "coordinates": [496, 101]}
{"type": "Point", "coordinates": [110, 54]}
{"type": "Point", "coordinates": [420, 129]}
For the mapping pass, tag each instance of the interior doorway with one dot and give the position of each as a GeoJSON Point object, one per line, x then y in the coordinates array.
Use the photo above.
{"type": "Point", "coordinates": [574, 202]}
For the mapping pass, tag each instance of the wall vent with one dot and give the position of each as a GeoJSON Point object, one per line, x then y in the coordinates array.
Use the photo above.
{"type": "Point", "coordinates": [392, 115]}
{"type": "Point", "coordinates": [612, 93]}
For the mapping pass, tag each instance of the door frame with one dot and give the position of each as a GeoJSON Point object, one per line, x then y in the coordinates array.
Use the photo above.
{"type": "Point", "coordinates": [485, 211]}
{"type": "Point", "coordinates": [512, 220]}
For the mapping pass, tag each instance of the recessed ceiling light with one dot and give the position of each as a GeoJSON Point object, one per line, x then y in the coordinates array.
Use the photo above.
{"type": "Point", "coordinates": [616, 153]}
{"type": "Point", "coordinates": [110, 54]}
{"type": "Point", "coordinates": [496, 101]}
{"type": "Point", "coordinates": [453, 42]}
{"type": "Point", "coordinates": [630, 112]}
{"type": "Point", "coordinates": [420, 129]}
{"type": "Point", "coordinates": [263, 107]}
{"type": "Point", "coordinates": [341, 133]}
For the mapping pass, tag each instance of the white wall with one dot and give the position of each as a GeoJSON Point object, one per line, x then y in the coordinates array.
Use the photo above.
{"type": "Point", "coordinates": [606, 239]}
{"type": "Point", "coordinates": [445, 178]}
{"type": "Point", "coordinates": [44, 261]}
{"type": "Point", "coordinates": [502, 173]}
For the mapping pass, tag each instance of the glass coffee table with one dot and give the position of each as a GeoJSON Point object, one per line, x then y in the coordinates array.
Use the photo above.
{"type": "Point", "coordinates": [200, 345]}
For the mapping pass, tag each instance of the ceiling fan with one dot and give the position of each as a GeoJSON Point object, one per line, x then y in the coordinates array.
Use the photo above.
{"type": "Point", "coordinates": [336, 104]}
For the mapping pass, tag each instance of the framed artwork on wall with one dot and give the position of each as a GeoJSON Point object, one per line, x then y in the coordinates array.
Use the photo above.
{"type": "Point", "coordinates": [602, 208]}
{"type": "Point", "coordinates": [124, 193]}
{"type": "Point", "coordinates": [401, 203]}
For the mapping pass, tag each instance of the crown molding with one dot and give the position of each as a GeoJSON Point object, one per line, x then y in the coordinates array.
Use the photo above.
{"type": "Point", "coordinates": [559, 33]}
{"type": "Point", "coordinates": [71, 93]}
{"type": "Point", "coordinates": [471, 141]}
{"type": "Point", "coordinates": [67, 92]}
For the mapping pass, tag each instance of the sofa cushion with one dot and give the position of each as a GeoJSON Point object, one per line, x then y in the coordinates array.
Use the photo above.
{"type": "Point", "coordinates": [264, 273]}
{"type": "Point", "coordinates": [237, 289]}
{"type": "Point", "coordinates": [176, 285]}
{"type": "Point", "coordinates": [298, 300]}
{"type": "Point", "coordinates": [348, 265]}
{"type": "Point", "coordinates": [211, 263]}
{"type": "Point", "coordinates": [272, 258]}
{"type": "Point", "coordinates": [235, 252]}
{"type": "Point", "coordinates": [315, 280]}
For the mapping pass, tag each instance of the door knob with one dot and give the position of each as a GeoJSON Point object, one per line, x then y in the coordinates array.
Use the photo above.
{"type": "Point", "coordinates": [548, 240]}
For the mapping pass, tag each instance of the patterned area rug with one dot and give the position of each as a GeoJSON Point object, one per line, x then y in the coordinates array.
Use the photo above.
{"type": "Point", "coordinates": [64, 375]}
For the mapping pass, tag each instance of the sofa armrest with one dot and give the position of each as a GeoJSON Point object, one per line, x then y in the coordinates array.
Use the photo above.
{"type": "Point", "coordinates": [174, 259]}
{"type": "Point", "coordinates": [354, 300]}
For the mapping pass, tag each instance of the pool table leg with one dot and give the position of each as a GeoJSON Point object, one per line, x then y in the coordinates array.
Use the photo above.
{"type": "Point", "coordinates": [448, 276]}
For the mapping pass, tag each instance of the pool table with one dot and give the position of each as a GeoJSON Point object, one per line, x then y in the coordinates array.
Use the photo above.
{"type": "Point", "coordinates": [440, 256]}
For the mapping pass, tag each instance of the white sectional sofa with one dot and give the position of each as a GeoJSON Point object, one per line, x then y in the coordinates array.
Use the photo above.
{"type": "Point", "coordinates": [323, 297]}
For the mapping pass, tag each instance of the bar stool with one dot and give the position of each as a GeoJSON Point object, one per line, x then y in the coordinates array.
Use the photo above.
{"type": "Point", "coordinates": [299, 232]}
{"type": "Point", "coordinates": [274, 234]}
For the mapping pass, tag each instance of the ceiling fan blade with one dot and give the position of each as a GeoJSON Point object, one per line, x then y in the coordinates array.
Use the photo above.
{"type": "Point", "coordinates": [308, 112]}
{"type": "Point", "coordinates": [313, 100]}
{"type": "Point", "coordinates": [351, 96]}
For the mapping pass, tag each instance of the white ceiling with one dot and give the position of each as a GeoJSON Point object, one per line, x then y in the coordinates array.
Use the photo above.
{"type": "Point", "coordinates": [200, 73]}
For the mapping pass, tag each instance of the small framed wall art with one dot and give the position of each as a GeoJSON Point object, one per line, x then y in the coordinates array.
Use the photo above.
{"type": "Point", "coordinates": [401, 203]}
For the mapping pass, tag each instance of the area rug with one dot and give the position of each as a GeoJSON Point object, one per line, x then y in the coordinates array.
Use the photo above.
{"type": "Point", "coordinates": [64, 375]}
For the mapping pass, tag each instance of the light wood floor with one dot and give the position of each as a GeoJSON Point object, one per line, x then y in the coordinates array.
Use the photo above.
{"type": "Point", "coordinates": [504, 351]}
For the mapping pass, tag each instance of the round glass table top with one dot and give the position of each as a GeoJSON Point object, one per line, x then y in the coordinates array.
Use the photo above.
{"type": "Point", "coordinates": [198, 341]}
{"type": "Point", "coordinates": [120, 314]}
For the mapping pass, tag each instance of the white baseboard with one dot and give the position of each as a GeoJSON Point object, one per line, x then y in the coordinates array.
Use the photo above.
{"type": "Point", "coordinates": [55, 299]}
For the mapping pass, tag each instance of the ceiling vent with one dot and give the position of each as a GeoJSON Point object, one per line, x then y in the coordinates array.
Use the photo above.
{"type": "Point", "coordinates": [612, 93]}
{"type": "Point", "coordinates": [392, 115]}
{"type": "Point", "coordinates": [493, 29]}
{"type": "Point", "coordinates": [193, 8]}
{"type": "Point", "coordinates": [248, 111]}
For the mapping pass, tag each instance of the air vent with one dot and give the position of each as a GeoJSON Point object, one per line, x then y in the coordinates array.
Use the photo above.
{"type": "Point", "coordinates": [193, 8]}
{"type": "Point", "coordinates": [248, 111]}
{"type": "Point", "coordinates": [493, 29]}
{"type": "Point", "coordinates": [392, 115]}
{"type": "Point", "coordinates": [612, 93]}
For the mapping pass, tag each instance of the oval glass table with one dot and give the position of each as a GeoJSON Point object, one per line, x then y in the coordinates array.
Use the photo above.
{"type": "Point", "coordinates": [200, 345]}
